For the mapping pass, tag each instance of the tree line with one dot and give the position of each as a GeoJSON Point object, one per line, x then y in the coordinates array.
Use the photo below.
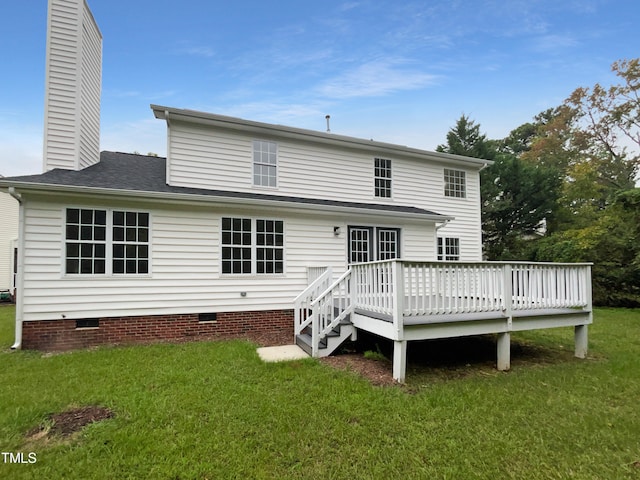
{"type": "Point", "coordinates": [562, 187]}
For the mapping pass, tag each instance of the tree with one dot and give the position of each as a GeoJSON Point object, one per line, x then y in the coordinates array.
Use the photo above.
{"type": "Point", "coordinates": [612, 243]}
{"type": "Point", "coordinates": [465, 139]}
{"type": "Point", "coordinates": [611, 120]}
{"type": "Point", "coordinates": [517, 200]}
{"type": "Point", "coordinates": [517, 197]}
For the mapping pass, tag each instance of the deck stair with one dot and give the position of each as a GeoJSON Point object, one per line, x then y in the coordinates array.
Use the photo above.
{"type": "Point", "coordinates": [329, 342]}
{"type": "Point", "coordinates": [323, 315]}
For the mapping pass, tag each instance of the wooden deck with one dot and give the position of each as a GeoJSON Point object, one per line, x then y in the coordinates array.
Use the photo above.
{"type": "Point", "coordinates": [405, 301]}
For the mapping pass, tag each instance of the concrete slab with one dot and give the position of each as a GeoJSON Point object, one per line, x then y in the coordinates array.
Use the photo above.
{"type": "Point", "coordinates": [281, 353]}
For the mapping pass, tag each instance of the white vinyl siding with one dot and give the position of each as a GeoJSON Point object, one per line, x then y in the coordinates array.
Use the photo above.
{"type": "Point", "coordinates": [72, 87]}
{"type": "Point", "coordinates": [210, 158]}
{"type": "Point", "coordinates": [8, 239]}
{"type": "Point", "coordinates": [186, 265]}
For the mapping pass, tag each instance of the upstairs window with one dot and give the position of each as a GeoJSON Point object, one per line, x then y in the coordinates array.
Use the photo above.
{"type": "Point", "coordinates": [265, 163]}
{"type": "Point", "coordinates": [455, 183]}
{"type": "Point", "coordinates": [449, 249]}
{"type": "Point", "coordinates": [382, 177]}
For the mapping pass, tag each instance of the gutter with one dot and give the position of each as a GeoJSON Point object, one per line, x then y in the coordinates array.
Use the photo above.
{"type": "Point", "coordinates": [20, 283]}
{"type": "Point", "coordinates": [260, 128]}
{"type": "Point", "coordinates": [199, 199]}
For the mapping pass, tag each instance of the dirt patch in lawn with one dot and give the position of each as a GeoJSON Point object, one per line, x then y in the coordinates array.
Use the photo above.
{"type": "Point", "coordinates": [378, 372]}
{"type": "Point", "coordinates": [443, 360]}
{"type": "Point", "coordinates": [64, 424]}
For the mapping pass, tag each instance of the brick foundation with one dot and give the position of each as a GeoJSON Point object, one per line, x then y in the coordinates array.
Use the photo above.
{"type": "Point", "coordinates": [270, 327]}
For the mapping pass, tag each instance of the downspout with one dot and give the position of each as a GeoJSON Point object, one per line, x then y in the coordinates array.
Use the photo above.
{"type": "Point", "coordinates": [167, 179]}
{"type": "Point", "coordinates": [20, 281]}
{"type": "Point", "coordinates": [443, 224]}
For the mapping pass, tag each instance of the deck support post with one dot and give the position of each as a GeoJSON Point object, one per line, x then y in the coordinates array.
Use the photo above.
{"type": "Point", "coordinates": [581, 338]}
{"type": "Point", "coordinates": [504, 351]}
{"type": "Point", "coordinates": [399, 360]}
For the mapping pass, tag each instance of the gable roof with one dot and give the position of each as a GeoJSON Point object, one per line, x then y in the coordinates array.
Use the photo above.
{"type": "Point", "coordinates": [145, 176]}
{"type": "Point", "coordinates": [282, 131]}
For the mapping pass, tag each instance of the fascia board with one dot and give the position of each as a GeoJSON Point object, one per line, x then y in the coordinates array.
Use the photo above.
{"type": "Point", "coordinates": [222, 121]}
{"type": "Point", "coordinates": [195, 199]}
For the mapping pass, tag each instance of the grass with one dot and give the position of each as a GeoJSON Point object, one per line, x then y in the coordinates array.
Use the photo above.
{"type": "Point", "coordinates": [212, 410]}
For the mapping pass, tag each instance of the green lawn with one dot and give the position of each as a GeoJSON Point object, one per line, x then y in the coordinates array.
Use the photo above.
{"type": "Point", "coordinates": [213, 410]}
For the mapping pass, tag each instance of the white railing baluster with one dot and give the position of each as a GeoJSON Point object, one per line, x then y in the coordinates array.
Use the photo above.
{"type": "Point", "coordinates": [432, 288]}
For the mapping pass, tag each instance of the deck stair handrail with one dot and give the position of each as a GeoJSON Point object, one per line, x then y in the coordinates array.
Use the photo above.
{"type": "Point", "coordinates": [329, 309]}
{"type": "Point", "coordinates": [302, 303]}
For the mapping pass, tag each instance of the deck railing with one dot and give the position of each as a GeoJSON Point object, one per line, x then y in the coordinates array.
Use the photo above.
{"type": "Point", "coordinates": [302, 303]}
{"type": "Point", "coordinates": [431, 288]}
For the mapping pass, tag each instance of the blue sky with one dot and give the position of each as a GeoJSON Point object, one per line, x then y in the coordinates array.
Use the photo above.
{"type": "Point", "coordinates": [395, 71]}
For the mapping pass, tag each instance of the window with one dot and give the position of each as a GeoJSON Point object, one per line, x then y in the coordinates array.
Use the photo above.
{"type": "Point", "coordinates": [360, 245]}
{"type": "Point", "coordinates": [236, 241]}
{"type": "Point", "coordinates": [265, 163]}
{"type": "Point", "coordinates": [130, 242]}
{"type": "Point", "coordinates": [382, 177]}
{"type": "Point", "coordinates": [252, 246]}
{"type": "Point", "coordinates": [86, 241]}
{"type": "Point", "coordinates": [373, 243]}
{"type": "Point", "coordinates": [387, 243]}
{"type": "Point", "coordinates": [454, 183]}
{"type": "Point", "coordinates": [104, 242]}
{"type": "Point", "coordinates": [269, 246]}
{"type": "Point", "coordinates": [448, 248]}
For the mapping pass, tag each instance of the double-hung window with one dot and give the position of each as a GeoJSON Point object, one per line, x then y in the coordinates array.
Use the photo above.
{"type": "Point", "coordinates": [448, 248]}
{"type": "Point", "coordinates": [252, 246]}
{"type": "Point", "coordinates": [265, 163]}
{"type": "Point", "coordinates": [269, 246]}
{"type": "Point", "coordinates": [455, 183]}
{"type": "Point", "coordinates": [86, 241]}
{"type": "Point", "coordinates": [382, 177]}
{"type": "Point", "coordinates": [106, 242]}
{"type": "Point", "coordinates": [130, 242]}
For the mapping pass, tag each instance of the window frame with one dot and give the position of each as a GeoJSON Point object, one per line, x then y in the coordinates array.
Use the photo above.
{"type": "Point", "coordinates": [382, 178]}
{"type": "Point", "coordinates": [261, 165]}
{"type": "Point", "coordinates": [108, 243]}
{"type": "Point", "coordinates": [374, 241]}
{"type": "Point", "coordinates": [455, 183]}
{"type": "Point", "coordinates": [444, 248]}
{"type": "Point", "coordinates": [254, 247]}
{"type": "Point", "coordinates": [127, 245]}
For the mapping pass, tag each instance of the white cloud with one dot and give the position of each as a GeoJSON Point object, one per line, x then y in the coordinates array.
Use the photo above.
{"type": "Point", "coordinates": [553, 43]}
{"type": "Point", "coordinates": [374, 79]}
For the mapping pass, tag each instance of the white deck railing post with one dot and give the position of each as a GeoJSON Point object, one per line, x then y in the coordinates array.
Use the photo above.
{"type": "Point", "coordinates": [398, 297]}
{"type": "Point", "coordinates": [504, 338]}
{"type": "Point", "coordinates": [581, 332]}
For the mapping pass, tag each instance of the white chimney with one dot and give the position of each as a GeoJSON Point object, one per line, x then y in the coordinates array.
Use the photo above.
{"type": "Point", "coordinates": [73, 85]}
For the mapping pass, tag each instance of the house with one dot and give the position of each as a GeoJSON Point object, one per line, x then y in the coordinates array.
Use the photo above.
{"type": "Point", "coordinates": [252, 227]}
{"type": "Point", "coordinates": [8, 245]}
{"type": "Point", "coordinates": [221, 236]}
